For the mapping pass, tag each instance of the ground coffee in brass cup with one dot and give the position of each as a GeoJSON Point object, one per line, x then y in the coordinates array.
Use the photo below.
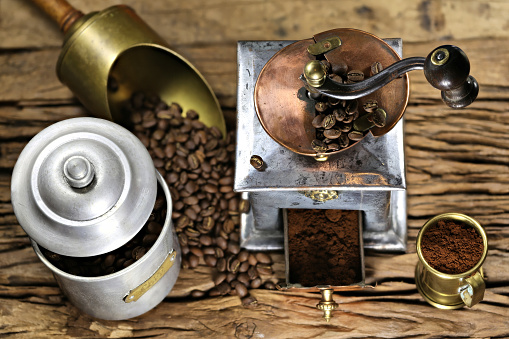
{"type": "Point", "coordinates": [451, 248]}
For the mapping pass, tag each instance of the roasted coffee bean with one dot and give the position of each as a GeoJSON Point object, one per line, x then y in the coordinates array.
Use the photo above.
{"type": "Point", "coordinates": [210, 188]}
{"type": "Point", "coordinates": [329, 121]}
{"type": "Point", "coordinates": [339, 114]}
{"type": "Point", "coordinates": [355, 135]}
{"type": "Point", "coordinates": [214, 292]}
{"type": "Point", "coordinates": [154, 227]}
{"type": "Point", "coordinates": [193, 260]}
{"type": "Point", "coordinates": [343, 140]}
{"type": "Point", "coordinates": [244, 278]}
{"type": "Point", "coordinates": [230, 277]}
{"type": "Point", "coordinates": [317, 121]}
{"type": "Point", "coordinates": [228, 226]}
{"type": "Point", "coordinates": [234, 236]}
{"type": "Point", "coordinates": [138, 252]}
{"type": "Point", "coordinates": [256, 283]}
{"type": "Point", "coordinates": [182, 222]}
{"type": "Point", "coordinates": [244, 267]}
{"type": "Point", "coordinates": [376, 68]}
{"type": "Point", "coordinates": [252, 272]}
{"type": "Point", "coordinates": [318, 146]}
{"type": "Point", "coordinates": [210, 260]}
{"type": "Point", "coordinates": [205, 240]}
{"type": "Point", "coordinates": [196, 251]}
{"type": "Point", "coordinates": [191, 233]}
{"type": "Point", "coordinates": [234, 266]}
{"type": "Point", "coordinates": [252, 260]}
{"type": "Point", "coordinates": [332, 133]}
{"type": "Point", "coordinates": [352, 107]}
{"type": "Point", "coordinates": [128, 263]}
{"type": "Point", "coordinates": [263, 258]}
{"type": "Point", "coordinates": [379, 117]}
{"type": "Point", "coordinates": [249, 301]}
{"type": "Point", "coordinates": [233, 247]}
{"type": "Point", "coordinates": [355, 76]}
{"type": "Point", "coordinates": [321, 106]}
{"type": "Point", "coordinates": [109, 260]}
{"type": "Point", "coordinates": [345, 128]}
{"type": "Point", "coordinates": [339, 68]}
{"type": "Point", "coordinates": [219, 252]}
{"type": "Point", "coordinates": [209, 250]}
{"type": "Point", "coordinates": [191, 200]}
{"type": "Point", "coordinates": [336, 78]}
{"type": "Point", "coordinates": [349, 118]}
{"type": "Point", "coordinates": [223, 288]}
{"type": "Point", "coordinates": [219, 278]}
{"type": "Point", "coordinates": [222, 243]}
{"type": "Point", "coordinates": [221, 264]}
{"type": "Point", "coordinates": [370, 106]}
{"type": "Point", "coordinates": [333, 101]}
{"type": "Point", "coordinates": [197, 294]}
{"type": "Point", "coordinates": [149, 239]}
{"type": "Point", "coordinates": [241, 290]}
{"type": "Point", "coordinates": [182, 239]}
{"type": "Point", "coordinates": [333, 147]}
{"type": "Point", "coordinates": [269, 285]}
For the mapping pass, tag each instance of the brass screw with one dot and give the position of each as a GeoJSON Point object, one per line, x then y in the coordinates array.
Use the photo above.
{"type": "Point", "coordinates": [257, 162]}
{"type": "Point", "coordinates": [327, 304]}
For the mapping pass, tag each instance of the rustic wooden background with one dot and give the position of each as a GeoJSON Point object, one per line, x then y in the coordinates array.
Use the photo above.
{"type": "Point", "coordinates": [457, 162]}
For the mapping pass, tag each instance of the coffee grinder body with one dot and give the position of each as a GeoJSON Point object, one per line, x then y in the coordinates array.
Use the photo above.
{"type": "Point", "coordinates": [368, 177]}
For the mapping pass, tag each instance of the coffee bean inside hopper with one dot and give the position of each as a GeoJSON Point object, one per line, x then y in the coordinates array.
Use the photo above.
{"type": "Point", "coordinates": [198, 165]}
{"type": "Point", "coordinates": [339, 123]}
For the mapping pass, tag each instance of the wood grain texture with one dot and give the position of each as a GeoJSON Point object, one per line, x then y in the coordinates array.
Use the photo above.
{"type": "Point", "coordinates": [457, 161]}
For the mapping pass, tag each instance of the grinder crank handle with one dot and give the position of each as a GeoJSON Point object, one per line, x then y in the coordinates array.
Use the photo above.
{"type": "Point", "coordinates": [60, 11]}
{"type": "Point", "coordinates": [446, 68]}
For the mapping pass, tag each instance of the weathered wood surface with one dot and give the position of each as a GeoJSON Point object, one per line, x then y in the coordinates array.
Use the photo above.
{"type": "Point", "coordinates": [456, 161]}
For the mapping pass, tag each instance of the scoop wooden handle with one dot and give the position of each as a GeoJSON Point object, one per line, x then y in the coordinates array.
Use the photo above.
{"type": "Point", "coordinates": [60, 11]}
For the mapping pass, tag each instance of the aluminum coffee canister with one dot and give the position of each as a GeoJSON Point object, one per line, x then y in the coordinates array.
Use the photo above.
{"type": "Point", "coordinates": [84, 187]}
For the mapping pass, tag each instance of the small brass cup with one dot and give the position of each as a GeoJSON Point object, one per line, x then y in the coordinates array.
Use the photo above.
{"type": "Point", "coordinates": [451, 291]}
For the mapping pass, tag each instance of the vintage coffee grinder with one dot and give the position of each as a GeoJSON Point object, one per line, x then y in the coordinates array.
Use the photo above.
{"type": "Point", "coordinates": [319, 128]}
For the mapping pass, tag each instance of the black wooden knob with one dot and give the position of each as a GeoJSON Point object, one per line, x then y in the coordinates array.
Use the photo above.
{"type": "Point", "coordinates": [447, 68]}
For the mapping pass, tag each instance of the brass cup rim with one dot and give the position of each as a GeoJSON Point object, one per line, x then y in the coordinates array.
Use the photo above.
{"type": "Point", "coordinates": [456, 217]}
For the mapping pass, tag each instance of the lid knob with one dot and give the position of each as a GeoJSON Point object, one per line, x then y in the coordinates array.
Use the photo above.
{"type": "Point", "coordinates": [78, 171]}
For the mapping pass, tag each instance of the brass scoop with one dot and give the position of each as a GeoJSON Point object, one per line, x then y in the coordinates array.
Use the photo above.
{"type": "Point", "coordinates": [109, 55]}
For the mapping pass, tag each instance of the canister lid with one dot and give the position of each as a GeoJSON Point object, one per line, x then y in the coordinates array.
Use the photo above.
{"type": "Point", "coordinates": [83, 187]}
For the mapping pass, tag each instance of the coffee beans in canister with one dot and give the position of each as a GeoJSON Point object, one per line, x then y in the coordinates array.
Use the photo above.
{"type": "Point", "coordinates": [118, 259]}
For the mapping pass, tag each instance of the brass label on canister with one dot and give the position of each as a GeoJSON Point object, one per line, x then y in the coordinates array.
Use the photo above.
{"type": "Point", "coordinates": [135, 294]}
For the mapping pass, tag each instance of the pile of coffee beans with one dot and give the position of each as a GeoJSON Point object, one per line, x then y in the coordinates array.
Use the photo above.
{"type": "Point", "coordinates": [120, 258]}
{"type": "Point", "coordinates": [341, 123]}
{"type": "Point", "coordinates": [198, 165]}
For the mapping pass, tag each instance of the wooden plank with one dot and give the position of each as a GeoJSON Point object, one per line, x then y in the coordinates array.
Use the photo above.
{"type": "Point", "coordinates": [195, 22]}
